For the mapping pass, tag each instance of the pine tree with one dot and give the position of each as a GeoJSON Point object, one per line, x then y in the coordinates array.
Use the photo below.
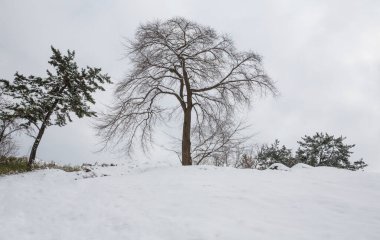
{"type": "Point", "coordinates": [358, 165]}
{"type": "Point", "coordinates": [267, 155]}
{"type": "Point", "coordinates": [324, 150]}
{"type": "Point", "coordinates": [43, 102]}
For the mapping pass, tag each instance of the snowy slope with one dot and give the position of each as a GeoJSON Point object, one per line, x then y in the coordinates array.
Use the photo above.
{"type": "Point", "coordinates": [190, 203]}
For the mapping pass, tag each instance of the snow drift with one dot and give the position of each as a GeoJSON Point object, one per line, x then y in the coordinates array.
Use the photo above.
{"type": "Point", "coordinates": [190, 203]}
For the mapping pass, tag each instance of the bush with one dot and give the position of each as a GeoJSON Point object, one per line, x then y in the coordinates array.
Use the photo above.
{"type": "Point", "coordinates": [321, 149]}
{"type": "Point", "coordinates": [261, 157]}
{"type": "Point", "coordinates": [358, 165]}
{"type": "Point", "coordinates": [268, 155]}
{"type": "Point", "coordinates": [246, 161]}
{"type": "Point", "coordinates": [324, 150]}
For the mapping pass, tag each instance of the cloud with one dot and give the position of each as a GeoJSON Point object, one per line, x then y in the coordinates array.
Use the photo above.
{"type": "Point", "coordinates": [324, 56]}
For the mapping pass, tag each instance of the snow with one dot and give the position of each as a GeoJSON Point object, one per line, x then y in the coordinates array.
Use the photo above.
{"type": "Point", "coordinates": [278, 166]}
{"type": "Point", "coordinates": [301, 166]}
{"type": "Point", "coordinates": [173, 202]}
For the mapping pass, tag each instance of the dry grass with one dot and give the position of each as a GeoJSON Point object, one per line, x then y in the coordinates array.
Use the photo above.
{"type": "Point", "coordinates": [14, 165]}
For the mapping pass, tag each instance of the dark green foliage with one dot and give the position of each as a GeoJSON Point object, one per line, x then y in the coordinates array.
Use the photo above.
{"type": "Point", "coordinates": [65, 90]}
{"type": "Point", "coordinates": [267, 155]}
{"type": "Point", "coordinates": [318, 150]}
{"type": "Point", "coordinates": [358, 165]}
{"type": "Point", "coordinates": [42, 102]}
{"type": "Point", "coordinates": [324, 150]}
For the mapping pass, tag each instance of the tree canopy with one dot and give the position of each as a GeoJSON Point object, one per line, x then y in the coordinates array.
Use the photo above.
{"type": "Point", "coordinates": [200, 70]}
{"type": "Point", "coordinates": [323, 149]}
{"type": "Point", "coordinates": [44, 101]}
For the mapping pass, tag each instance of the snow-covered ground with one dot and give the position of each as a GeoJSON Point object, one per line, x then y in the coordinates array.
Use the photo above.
{"type": "Point", "coordinates": [169, 202]}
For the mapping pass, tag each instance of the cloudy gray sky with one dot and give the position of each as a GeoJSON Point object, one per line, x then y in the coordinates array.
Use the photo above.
{"type": "Point", "coordinates": [324, 56]}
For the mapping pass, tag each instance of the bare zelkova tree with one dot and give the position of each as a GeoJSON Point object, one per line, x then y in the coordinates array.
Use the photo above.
{"type": "Point", "coordinates": [203, 73]}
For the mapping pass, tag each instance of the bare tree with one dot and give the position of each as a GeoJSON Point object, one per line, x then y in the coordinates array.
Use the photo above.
{"type": "Point", "coordinates": [198, 68]}
{"type": "Point", "coordinates": [7, 144]}
{"type": "Point", "coordinates": [246, 157]}
{"type": "Point", "coordinates": [8, 127]}
{"type": "Point", "coordinates": [218, 144]}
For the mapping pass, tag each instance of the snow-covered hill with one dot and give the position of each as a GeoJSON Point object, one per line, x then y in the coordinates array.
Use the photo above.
{"type": "Point", "coordinates": [190, 203]}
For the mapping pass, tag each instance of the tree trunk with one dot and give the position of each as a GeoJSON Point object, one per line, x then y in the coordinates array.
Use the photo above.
{"type": "Point", "coordinates": [37, 141]}
{"type": "Point", "coordinates": [186, 142]}
{"type": "Point", "coordinates": [41, 131]}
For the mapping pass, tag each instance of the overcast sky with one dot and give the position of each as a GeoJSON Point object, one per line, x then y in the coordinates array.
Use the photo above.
{"type": "Point", "coordinates": [324, 56]}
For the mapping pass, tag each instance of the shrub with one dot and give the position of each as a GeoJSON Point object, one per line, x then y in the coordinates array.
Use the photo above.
{"type": "Point", "coordinates": [324, 150]}
{"type": "Point", "coordinates": [246, 161]}
{"type": "Point", "coordinates": [358, 165]}
{"type": "Point", "coordinates": [318, 150]}
{"type": "Point", "coordinates": [268, 155]}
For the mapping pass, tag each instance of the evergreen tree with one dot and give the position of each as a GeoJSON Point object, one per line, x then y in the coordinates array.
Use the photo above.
{"type": "Point", "coordinates": [358, 165]}
{"type": "Point", "coordinates": [43, 102]}
{"type": "Point", "coordinates": [267, 155]}
{"type": "Point", "coordinates": [324, 150]}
